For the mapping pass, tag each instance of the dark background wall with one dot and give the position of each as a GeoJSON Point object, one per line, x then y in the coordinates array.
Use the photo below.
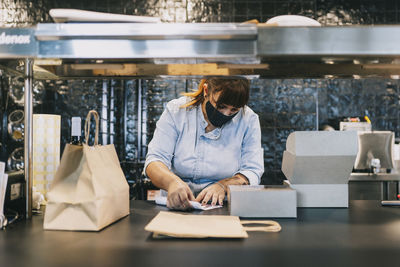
{"type": "Point", "coordinates": [283, 105]}
{"type": "Point", "coordinates": [334, 12]}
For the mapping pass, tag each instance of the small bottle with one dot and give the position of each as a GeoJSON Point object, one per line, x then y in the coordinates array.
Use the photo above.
{"type": "Point", "coordinates": [76, 138]}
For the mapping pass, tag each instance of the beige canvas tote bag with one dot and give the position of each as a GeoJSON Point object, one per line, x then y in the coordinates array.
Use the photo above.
{"type": "Point", "coordinates": [89, 190]}
{"type": "Point", "coordinates": [170, 224]}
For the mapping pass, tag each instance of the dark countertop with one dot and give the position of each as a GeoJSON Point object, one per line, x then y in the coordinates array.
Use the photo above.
{"type": "Point", "coordinates": [365, 234]}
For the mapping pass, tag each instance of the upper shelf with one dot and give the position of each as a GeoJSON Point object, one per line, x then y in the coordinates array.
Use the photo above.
{"type": "Point", "coordinates": [75, 50]}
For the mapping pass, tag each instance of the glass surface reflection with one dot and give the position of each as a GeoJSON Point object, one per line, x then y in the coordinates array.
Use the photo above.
{"type": "Point", "coordinates": [16, 125]}
{"type": "Point", "coordinates": [16, 160]}
{"type": "Point", "coordinates": [17, 88]}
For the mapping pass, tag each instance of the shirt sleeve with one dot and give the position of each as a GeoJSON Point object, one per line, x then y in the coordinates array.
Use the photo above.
{"type": "Point", "coordinates": [252, 160]}
{"type": "Point", "coordinates": [161, 148]}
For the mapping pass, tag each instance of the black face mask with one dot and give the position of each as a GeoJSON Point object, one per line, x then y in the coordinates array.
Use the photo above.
{"type": "Point", "coordinates": [215, 117]}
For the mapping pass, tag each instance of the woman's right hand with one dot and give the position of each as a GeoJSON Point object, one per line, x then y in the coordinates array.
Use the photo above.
{"type": "Point", "coordinates": [179, 195]}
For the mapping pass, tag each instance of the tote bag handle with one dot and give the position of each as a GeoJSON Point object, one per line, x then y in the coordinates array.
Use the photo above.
{"type": "Point", "coordinates": [87, 127]}
{"type": "Point", "coordinates": [271, 226]}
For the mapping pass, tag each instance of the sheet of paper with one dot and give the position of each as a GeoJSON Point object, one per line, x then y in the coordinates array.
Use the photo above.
{"type": "Point", "coordinates": [196, 205]}
{"type": "Point", "coordinates": [3, 187]}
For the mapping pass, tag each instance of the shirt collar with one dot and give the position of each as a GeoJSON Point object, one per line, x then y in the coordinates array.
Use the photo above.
{"type": "Point", "coordinates": [238, 116]}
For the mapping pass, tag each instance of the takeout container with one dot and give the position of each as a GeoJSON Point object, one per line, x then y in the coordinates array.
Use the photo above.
{"type": "Point", "coordinates": [318, 165]}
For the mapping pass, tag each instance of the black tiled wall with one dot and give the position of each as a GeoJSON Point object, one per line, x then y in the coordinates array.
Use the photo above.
{"type": "Point", "coordinates": [337, 12]}
{"type": "Point", "coordinates": [283, 105]}
{"type": "Point", "coordinates": [291, 105]}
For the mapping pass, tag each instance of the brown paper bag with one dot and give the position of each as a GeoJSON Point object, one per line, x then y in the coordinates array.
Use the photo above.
{"type": "Point", "coordinates": [89, 190]}
{"type": "Point", "coordinates": [202, 226]}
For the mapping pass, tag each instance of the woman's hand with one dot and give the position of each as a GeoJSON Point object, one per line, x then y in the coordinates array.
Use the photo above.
{"type": "Point", "coordinates": [215, 192]}
{"type": "Point", "coordinates": [179, 195]}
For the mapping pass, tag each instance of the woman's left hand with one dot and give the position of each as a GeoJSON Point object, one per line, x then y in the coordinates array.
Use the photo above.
{"type": "Point", "coordinates": [214, 192]}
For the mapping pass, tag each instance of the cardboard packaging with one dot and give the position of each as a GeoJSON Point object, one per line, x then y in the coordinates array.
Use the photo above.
{"type": "Point", "coordinates": [318, 165]}
{"type": "Point", "coordinates": [320, 157]}
{"type": "Point", "coordinates": [260, 201]}
{"type": "Point", "coordinates": [322, 195]}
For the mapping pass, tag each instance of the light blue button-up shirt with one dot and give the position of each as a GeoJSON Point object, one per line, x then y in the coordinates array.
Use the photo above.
{"type": "Point", "coordinates": [181, 143]}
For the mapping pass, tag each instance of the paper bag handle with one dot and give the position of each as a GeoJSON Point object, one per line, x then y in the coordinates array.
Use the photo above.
{"type": "Point", "coordinates": [87, 127]}
{"type": "Point", "coordinates": [273, 226]}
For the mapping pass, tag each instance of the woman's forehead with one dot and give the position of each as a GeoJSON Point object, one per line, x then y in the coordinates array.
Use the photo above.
{"type": "Point", "coordinates": [215, 97]}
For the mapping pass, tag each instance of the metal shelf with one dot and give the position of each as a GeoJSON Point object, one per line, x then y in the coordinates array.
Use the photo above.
{"type": "Point", "coordinates": [128, 50]}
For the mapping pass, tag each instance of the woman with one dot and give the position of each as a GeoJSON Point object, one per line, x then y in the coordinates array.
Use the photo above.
{"type": "Point", "coordinates": [205, 141]}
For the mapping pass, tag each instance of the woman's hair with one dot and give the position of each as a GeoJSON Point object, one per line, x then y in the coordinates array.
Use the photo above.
{"type": "Point", "coordinates": [234, 91]}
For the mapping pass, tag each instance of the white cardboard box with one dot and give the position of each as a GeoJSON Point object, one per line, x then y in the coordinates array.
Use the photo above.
{"type": "Point", "coordinates": [322, 195]}
{"type": "Point", "coordinates": [300, 169]}
{"type": "Point", "coordinates": [260, 201]}
{"type": "Point", "coordinates": [319, 157]}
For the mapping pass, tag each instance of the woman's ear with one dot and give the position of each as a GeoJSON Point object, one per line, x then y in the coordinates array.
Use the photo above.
{"type": "Point", "coordinates": [205, 89]}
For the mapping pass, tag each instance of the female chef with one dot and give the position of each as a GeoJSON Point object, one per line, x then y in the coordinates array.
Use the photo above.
{"type": "Point", "coordinates": [205, 141]}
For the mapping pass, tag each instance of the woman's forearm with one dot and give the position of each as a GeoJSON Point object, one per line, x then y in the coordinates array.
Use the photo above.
{"type": "Point", "coordinates": [216, 192]}
{"type": "Point", "coordinates": [160, 175]}
{"type": "Point", "coordinates": [179, 193]}
{"type": "Point", "coordinates": [237, 179]}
